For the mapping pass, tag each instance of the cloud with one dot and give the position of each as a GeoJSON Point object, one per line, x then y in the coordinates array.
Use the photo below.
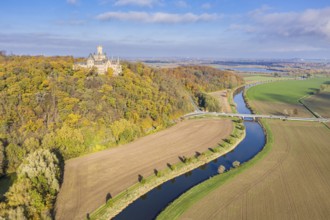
{"type": "Point", "coordinates": [309, 23]}
{"type": "Point", "coordinates": [72, 2]}
{"type": "Point", "coordinates": [157, 17]}
{"type": "Point", "coordinates": [148, 3]}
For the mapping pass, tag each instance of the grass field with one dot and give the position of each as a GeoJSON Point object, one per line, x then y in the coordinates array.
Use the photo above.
{"type": "Point", "coordinates": [285, 91]}
{"type": "Point", "coordinates": [283, 96]}
{"type": "Point", "coordinates": [89, 180]}
{"type": "Point", "coordinates": [291, 182]}
{"type": "Point", "coordinates": [258, 78]}
{"type": "Point", "coordinates": [319, 103]}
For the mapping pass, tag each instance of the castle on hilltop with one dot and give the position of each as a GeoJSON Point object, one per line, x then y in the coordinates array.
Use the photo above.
{"type": "Point", "coordinates": [101, 62]}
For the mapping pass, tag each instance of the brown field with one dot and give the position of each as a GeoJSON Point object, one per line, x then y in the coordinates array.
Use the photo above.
{"type": "Point", "coordinates": [319, 103]}
{"type": "Point", "coordinates": [277, 108]}
{"type": "Point", "coordinates": [291, 182]}
{"type": "Point", "coordinates": [89, 179]}
{"type": "Point", "coordinates": [221, 96]}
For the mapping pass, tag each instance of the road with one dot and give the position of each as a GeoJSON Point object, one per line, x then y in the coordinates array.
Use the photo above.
{"type": "Point", "coordinates": [254, 116]}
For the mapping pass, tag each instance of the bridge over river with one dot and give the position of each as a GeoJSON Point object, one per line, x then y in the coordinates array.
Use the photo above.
{"type": "Point", "coordinates": [255, 116]}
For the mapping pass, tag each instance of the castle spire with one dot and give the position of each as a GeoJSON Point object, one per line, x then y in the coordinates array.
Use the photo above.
{"type": "Point", "coordinates": [99, 50]}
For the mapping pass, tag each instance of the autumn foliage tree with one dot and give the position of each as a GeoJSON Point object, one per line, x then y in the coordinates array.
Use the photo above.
{"type": "Point", "coordinates": [33, 193]}
{"type": "Point", "coordinates": [44, 103]}
{"type": "Point", "coordinates": [46, 106]}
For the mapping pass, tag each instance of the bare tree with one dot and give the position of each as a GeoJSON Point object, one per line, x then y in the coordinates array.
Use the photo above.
{"type": "Point", "coordinates": [236, 164]}
{"type": "Point", "coordinates": [221, 169]}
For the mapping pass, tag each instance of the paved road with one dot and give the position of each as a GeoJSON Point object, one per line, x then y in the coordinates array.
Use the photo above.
{"type": "Point", "coordinates": [281, 117]}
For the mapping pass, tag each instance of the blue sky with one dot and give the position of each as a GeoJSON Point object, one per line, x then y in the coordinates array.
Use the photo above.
{"type": "Point", "coordinates": [159, 28]}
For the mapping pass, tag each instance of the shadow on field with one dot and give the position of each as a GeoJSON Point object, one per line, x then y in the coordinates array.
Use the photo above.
{"type": "Point", "coordinates": [108, 197]}
{"type": "Point", "coordinates": [140, 178]}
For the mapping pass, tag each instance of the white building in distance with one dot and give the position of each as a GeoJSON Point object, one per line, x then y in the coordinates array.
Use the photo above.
{"type": "Point", "coordinates": [101, 62]}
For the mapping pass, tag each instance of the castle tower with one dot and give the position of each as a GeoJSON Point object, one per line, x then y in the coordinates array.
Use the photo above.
{"type": "Point", "coordinates": [99, 50]}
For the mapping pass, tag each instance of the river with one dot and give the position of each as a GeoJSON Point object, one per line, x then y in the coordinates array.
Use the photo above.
{"type": "Point", "coordinates": [151, 204]}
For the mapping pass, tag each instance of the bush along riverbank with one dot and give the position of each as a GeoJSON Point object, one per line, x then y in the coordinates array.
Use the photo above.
{"type": "Point", "coordinates": [115, 205]}
{"type": "Point", "coordinates": [185, 201]}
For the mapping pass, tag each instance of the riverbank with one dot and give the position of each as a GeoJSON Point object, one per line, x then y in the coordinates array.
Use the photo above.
{"type": "Point", "coordinates": [290, 182]}
{"type": "Point", "coordinates": [122, 200]}
{"type": "Point", "coordinates": [107, 173]}
{"type": "Point", "coordinates": [189, 198]}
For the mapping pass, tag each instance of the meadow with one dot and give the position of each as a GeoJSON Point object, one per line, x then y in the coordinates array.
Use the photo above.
{"type": "Point", "coordinates": [282, 97]}
{"type": "Point", "coordinates": [285, 91]}
{"type": "Point", "coordinates": [258, 78]}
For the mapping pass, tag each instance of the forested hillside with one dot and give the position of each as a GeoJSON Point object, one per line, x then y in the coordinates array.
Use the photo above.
{"type": "Point", "coordinates": [45, 104]}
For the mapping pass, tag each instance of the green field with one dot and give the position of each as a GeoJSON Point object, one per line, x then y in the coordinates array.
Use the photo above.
{"type": "Point", "coordinates": [258, 78]}
{"type": "Point", "coordinates": [285, 91]}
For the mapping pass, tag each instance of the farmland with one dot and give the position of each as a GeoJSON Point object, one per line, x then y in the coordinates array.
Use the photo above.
{"type": "Point", "coordinates": [292, 179]}
{"type": "Point", "coordinates": [258, 78]}
{"type": "Point", "coordinates": [291, 182]}
{"type": "Point", "coordinates": [319, 103]}
{"type": "Point", "coordinates": [282, 97]}
{"type": "Point", "coordinates": [87, 179]}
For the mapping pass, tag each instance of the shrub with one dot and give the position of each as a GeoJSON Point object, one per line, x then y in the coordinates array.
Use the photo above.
{"type": "Point", "coordinates": [173, 167]}
{"type": "Point", "coordinates": [236, 164]}
{"type": "Point", "coordinates": [142, 180]}
{"type": "Point", "coordinates": [216, 150]}
{"type": "Point", "coordinates": [221, 169]}
{"type": "Point", "coordinates": [159, 174]}
{"type": "Point", "coordinates": [188, 160]}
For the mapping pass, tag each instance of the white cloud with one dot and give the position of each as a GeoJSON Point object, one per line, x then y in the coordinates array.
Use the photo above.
{"type": "Point", "coordinates": [158, 17]}
{"type": "Point", "coordinates": [311, 22]}
{"type": "Point", "coordinates": [72, 2]}
{"type": "Point", "coordinates": [148, 3]}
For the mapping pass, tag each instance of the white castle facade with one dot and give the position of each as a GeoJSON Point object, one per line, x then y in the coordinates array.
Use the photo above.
{"type": "Point", "coordinates": [101, 62]}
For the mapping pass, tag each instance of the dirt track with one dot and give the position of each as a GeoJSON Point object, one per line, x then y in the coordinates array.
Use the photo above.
{"type": "Point", "coordinates": [88, 179]}
{"type": "Point", "coordinates": [291, 182]}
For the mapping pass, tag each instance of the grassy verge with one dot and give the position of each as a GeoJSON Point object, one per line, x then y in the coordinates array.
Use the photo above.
{"type": "Point", "coordinates": [115, 205]}
{"type": "Point", "coordinates": [184, 202]}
